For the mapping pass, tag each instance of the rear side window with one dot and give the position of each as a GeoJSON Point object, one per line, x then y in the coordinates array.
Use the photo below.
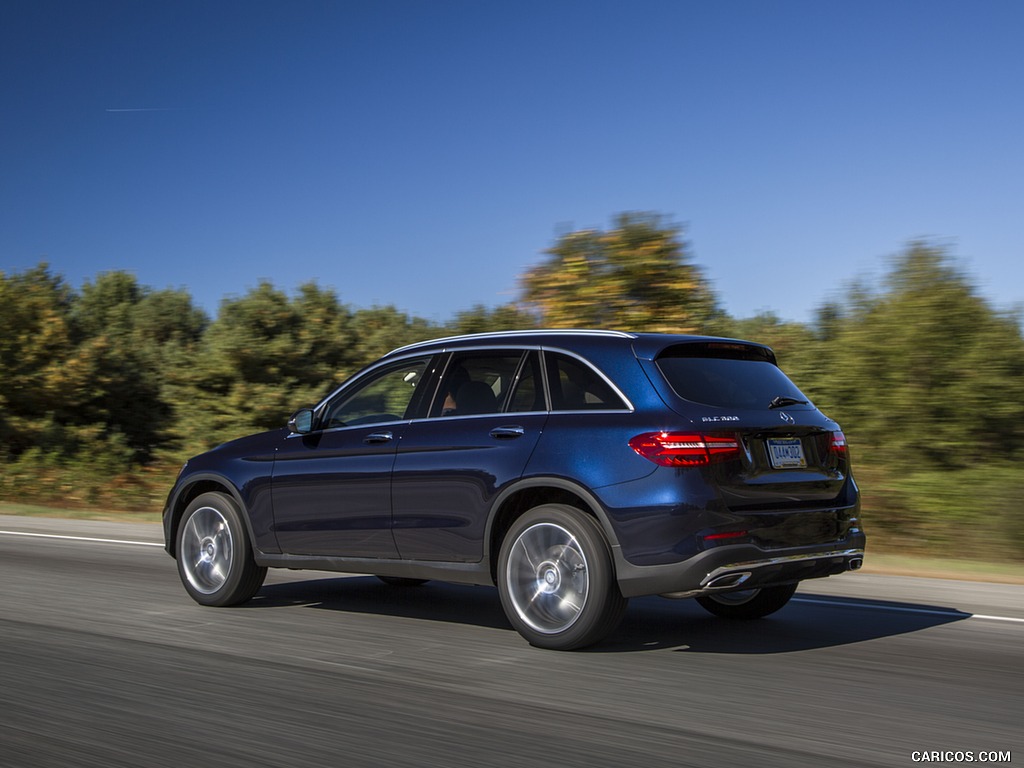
{"type": "Point", "coordinates": [478, 382]}
{"type": "Point", "coordinates": [575, 386]}
{"type": "Point", "coordinates": [742, 378]}
{"type": "Point", "coordinates": [528, 393]}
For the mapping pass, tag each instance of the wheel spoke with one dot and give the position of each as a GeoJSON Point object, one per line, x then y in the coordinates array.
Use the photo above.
{"type": "Point", "coordinates": [530, 559]}
{"type": "Point", "coordinates": [538, 593]}
{"type": "Point", "coordinates": [569, 546]}
{"type": "Point", "coordinates": [570, 607]}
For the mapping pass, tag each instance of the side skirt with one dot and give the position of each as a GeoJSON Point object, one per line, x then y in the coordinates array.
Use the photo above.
{"type": "Point", "coordinates": [457, 573]}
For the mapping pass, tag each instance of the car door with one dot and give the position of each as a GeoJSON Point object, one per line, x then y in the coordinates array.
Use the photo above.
{"type": "Point", "coordinates": [332, 486]}
{"type": "Point", "coordinates": [483, 426]}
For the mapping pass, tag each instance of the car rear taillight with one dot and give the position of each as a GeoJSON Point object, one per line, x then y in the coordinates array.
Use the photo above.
{"type": "Point", "coordinates": [838, 444]}
{"type": "Point", "coordinates": [685, 449]}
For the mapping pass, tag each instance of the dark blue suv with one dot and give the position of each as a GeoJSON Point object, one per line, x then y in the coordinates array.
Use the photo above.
{"type": "Point", "coordinates": [572, 469]}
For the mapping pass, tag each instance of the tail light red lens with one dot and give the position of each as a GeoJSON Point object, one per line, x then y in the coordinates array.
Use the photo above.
{"type": "Point", "coordinates": [685, 449]}
{"type": "Point", "coordinates": [725, 536]}
{"type": "Point", "coordinates": [838, 445]}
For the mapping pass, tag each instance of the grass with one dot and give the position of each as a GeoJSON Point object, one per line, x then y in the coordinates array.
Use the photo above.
{"type": "Point", "coordinates": [882, 562]}
{"type": "Point", "coordinates": [117, 516]}
{"type": "Point", "coordinates": [942, 567]}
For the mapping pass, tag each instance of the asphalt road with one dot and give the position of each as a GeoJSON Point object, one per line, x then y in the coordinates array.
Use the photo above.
{"type": "Point", "coordinates": [104, 661]}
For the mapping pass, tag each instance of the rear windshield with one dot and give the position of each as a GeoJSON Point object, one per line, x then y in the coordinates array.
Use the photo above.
{"type": "Point", "coordinates": [728, 383]}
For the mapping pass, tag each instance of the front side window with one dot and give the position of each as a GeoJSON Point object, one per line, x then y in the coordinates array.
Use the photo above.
{"type": "Point", "coordinates": [384, 395]}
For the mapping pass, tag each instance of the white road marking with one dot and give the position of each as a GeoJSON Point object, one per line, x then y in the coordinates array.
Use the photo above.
{"type": "Point", "coordinates": [847, 603]}
{"type": "Point", "coordinates": [81, 538]}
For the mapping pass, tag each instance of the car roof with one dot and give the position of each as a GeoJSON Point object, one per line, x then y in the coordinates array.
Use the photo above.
{"type": "Point", "coordinates": [644, 345]}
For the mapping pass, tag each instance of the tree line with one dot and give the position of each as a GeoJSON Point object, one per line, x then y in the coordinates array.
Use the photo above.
{"type": "Point", "coordinates": [106, 389]}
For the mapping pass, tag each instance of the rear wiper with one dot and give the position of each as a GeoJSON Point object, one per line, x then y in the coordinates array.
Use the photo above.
{"type": "Point", "coordinates": [782, 401]}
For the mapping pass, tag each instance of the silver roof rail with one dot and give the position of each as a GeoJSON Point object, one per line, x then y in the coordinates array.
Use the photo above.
{"type": "Point", "coordinates": [503, 334]}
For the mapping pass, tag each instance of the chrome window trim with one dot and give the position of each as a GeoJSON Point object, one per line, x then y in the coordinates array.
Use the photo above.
{"type": "Point", "coordinates": [371, 426]}
{"type": "Point", "coordinates": [413, 351]}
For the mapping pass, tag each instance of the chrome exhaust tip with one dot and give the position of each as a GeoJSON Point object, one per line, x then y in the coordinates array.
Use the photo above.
{"type": "Point", "coordinates": [728, 580]}
{"type": "Point", "coordinates": [720, 582]}
{"type": "Point", "coordinates": [855, 563]}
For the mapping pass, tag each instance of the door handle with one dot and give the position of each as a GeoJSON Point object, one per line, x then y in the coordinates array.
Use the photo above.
{"type": "Point", "coordinates": [379, 437]}
{"type": "Point", "coordinates": [509, 432]}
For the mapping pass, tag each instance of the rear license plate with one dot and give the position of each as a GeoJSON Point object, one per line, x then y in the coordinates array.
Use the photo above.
{"type": "Point", "coordinates": [786, 453]}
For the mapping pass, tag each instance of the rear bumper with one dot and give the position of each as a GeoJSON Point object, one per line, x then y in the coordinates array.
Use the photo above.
{"type": "Point", "coordinates": [744, 566]}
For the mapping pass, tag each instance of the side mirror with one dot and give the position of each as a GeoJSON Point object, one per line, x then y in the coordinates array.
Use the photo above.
{"type": "Point", "coordinates": [301, 422]}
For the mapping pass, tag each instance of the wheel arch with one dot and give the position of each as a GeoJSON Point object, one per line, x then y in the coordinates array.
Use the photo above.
{"type": "Point", "coordinates": [196, 486]}
{"type": "Point", "coordinates": [523, 496]}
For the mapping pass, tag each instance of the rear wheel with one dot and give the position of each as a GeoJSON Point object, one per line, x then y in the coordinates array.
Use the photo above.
{"type": "Point", "coordinates": [748, 603]}
{"type": "Point", "coordinates": [556, 579]}
{"type": "Point", "coordinates": [215, 558]}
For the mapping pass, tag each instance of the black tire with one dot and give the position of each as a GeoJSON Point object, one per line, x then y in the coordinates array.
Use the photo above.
{"type": "Point", "coordinates": [215, 558]}
{"type": "Point", "coordinates": [748, 603]}
{"type": "Point", "coordinates": [556, 579]}
{"type": "Point", "coordinates": [402, 581]}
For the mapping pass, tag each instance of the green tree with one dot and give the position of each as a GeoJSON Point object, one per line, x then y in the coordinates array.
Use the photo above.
{"type": "Point", "coordinates": [926, 369]}
{"type": "Point", "coordinates": [130, 340]}
{"type": "Point", "coordinates": [36, 340]}
{"type": "Point", "coordinates": [636, 276]}
{"type": "Point", "coordinates": [927, 381]}
{"type": "Point", "coordinates": [380, 329]}
{"type": "Point", "coordinates": [264, 356]}
{"type": "Point", "coordinates": [82, 377]}
{"type": "Point", "coordinates": [480, 319]}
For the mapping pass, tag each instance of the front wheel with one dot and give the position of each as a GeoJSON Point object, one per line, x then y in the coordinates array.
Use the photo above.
{"type": "Point", "coordinates": [215, 559]}
{"type": "Point", "coordinates": [556, 579]}
{"type": "Point", "coordinates": [748, 603]}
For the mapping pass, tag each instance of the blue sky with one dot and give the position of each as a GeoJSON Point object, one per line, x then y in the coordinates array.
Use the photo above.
{"type": "Point", "coordinates": [424, 154]}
